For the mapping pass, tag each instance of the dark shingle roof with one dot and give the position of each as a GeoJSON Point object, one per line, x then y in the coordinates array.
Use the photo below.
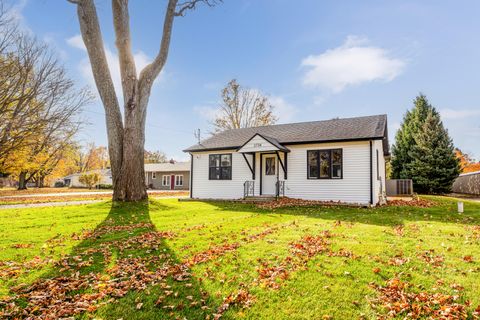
{"type": "Point", "coordinates": [369, 127]}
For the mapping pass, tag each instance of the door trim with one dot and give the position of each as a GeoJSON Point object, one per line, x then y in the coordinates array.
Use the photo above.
{"type": "Point", "coordinates": [261, 168]}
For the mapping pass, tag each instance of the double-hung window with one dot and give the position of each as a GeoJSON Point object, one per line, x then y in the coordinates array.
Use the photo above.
{"type": "Point", "coordinates": [179, 180]}
{"type": "Point", "coordinates": [220, 167]}
{"type": "Point", "coordinates": [325, 164]}
{"type": "Point", "coordinates": [166, 181]}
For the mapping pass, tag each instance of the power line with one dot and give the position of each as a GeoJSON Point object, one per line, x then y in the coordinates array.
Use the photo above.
{"type": "Point", "coordinates": [148, 124]}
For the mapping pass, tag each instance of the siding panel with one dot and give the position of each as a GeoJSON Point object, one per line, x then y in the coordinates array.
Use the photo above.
{"type": "Point", "coordinates": [204, 188]}
{"type": "Point", "coordinates": [353, 188]}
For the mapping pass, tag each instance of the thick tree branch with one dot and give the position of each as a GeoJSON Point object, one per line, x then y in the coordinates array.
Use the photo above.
{"type": "Point", "coordinates": [123, 42]}
{"type": "Point", "coordinates": [92, 37]}
{"type": "Point", "coordinates": [152, 70]}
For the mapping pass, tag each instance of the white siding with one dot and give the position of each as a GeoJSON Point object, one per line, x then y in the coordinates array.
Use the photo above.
{"type": "Point", "coordinates": [258, 144]}
{"type": "Point", "coordinates": [353, 188]}
{"type": "Point", "coordinates": [378, 178]}
{"type": "Point", "coordinates": [203, 188]}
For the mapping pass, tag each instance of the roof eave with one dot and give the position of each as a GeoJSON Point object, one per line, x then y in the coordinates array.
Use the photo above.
{"type": "Point", "coordinates": [289, 143]}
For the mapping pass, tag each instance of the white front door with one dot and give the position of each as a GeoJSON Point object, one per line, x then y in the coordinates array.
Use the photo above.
{"type": "Point", "coordinates": [269, 174]}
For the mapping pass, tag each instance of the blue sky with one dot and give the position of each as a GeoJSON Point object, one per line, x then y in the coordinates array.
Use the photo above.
{"type": "Point", "coordinates": [315, 59]}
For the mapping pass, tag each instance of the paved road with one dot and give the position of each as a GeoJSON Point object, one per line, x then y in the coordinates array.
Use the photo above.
{"type": "Point", "coordinates": [68, 203]}
{"type": "Point", "coordinates": [80, 193]}
{"type": "Point", "coordinates": [48, 204]}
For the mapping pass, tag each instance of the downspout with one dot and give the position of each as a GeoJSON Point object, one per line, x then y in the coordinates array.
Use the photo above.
{"type": "Point", "coordinates": [371, 173]}
{"type": "Point", "coordinates": [191, 176]}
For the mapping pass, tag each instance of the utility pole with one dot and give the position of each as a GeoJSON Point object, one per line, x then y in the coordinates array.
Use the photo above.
{"type": "Point", "coordinates": [196, 133]}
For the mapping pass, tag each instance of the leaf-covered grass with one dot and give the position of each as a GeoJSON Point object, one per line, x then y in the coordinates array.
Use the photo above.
{"type": "Point", "coordinates": [167, 259]}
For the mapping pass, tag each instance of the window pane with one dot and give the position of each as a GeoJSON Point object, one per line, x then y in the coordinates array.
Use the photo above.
{"type": "Point", "coordinates": [337, 163]}
{"type": "Point", "coordinates": [270, 166]}
{"type": "Point", "coordinates": [324, 164]}
{"type": "Point", "coordinates": [214, 160]}
{"type": "Point", "coordinates": [226, 173]}
{"type": "Point", "coordinates": [312, 164]}
{"type": "Point", "coordinates": [214, 173]}
{"type": "Point", "coordinates": [336, 171]}
{"type": "Point", "coordinates": [337, 156]}
{"type": "Point", "coordinates": [226, 160]}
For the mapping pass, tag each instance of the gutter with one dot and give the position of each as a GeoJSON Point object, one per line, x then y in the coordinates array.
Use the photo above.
{"type": "Point", "coordinates": [191, 176]}
{"type": "Point", "coordinates": [371, 172]}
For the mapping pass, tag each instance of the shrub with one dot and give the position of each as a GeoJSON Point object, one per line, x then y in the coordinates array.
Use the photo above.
{"type": "Point", "coordinates": [104, 186]}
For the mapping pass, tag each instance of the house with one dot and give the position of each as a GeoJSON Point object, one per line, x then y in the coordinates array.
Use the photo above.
{"type": "Point", "coordinates": [73, 180]}
{"type": "Point", "coordinates": [467, 183]}
{"type": "Point", "coordinates": [333, 160]}
{"type": "Point", "coordinates": [168, 176]}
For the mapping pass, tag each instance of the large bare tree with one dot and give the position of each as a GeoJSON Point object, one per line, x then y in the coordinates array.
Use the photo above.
{"type": "Point", "coordinates": [126, 137]}
{"type": "Point", "coordinates": [242, 108]}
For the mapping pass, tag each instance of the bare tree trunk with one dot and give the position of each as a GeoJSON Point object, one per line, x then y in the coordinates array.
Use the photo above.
{"type": "Point", "coordinates": [131, 186]}
{"type": "Point", "coordinates": [126, 139]}
{"type": "Point", "coordinates": [22, 183]}
{"type": "Point", "coordinates": [41, 182]}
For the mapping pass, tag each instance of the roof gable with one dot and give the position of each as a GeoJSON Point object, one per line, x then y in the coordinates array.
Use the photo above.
{"type": "Point", "coordinates": [259, 143]}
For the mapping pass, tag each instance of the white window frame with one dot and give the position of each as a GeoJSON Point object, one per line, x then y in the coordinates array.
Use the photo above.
{"type": "Point", "coordinates": [178, 180]}
{"type": "Point", "coordinates": [154, 175]}
{"type": "Point", "coordinates": [166, 182]}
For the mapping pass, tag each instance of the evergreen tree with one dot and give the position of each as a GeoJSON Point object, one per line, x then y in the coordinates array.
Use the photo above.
{"type": "Point", "coordinates": [435, 165]}
{"type": "Point", "coordinates": [423, 150]}
{"type": "Point", "coordinates": [404, 139]}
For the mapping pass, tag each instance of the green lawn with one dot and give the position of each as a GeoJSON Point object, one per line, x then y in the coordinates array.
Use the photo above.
{"type": "Point", "coordinates": [196, 260]}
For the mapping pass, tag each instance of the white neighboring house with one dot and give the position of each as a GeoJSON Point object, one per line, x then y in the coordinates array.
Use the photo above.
{"type": "Point", "coordinates": [334, 160]}
{"type": "Point", "coordinates": [72, 180]}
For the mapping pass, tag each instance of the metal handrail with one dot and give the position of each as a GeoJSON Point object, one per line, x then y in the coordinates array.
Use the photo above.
{"type": "Point", "coordinates": [280, 188]}
{"type": "Point", "coordinates": [248, 188]}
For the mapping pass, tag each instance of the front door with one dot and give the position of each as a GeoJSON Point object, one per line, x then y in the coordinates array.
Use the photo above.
{"type": "Point", "coordinates": [172, 182]}
{"type": "Point", "coordinates": [269, 174]}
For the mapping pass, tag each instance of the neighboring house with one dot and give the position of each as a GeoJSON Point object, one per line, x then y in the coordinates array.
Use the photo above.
{"type": "Point", "coordinates": [468, 183]}
{"type": "Point", "coordinates": [72, 180]}
{"type": "Point", "coordinates": [168, 176]}
{"type": "Point", "coordinates": [333, 160]}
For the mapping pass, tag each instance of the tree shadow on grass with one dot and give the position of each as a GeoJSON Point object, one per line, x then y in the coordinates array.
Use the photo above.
{"type": "Point", "coordinates": [444, 211]}
{"type": "Point", "coordinates": [122, 269]}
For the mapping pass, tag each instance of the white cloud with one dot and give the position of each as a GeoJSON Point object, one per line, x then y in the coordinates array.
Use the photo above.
{"type": "Point", "coordinates": [141, 60]}
{"type": "Point", "coordinates": [459, 114]}
{"type": "Point", "coordinates": [283, 110]}
{"type": "Point", "coordinates": [15, 12]}
{"type": "Point", "coordinates": [353, 63]}
{"type": "Point", "coordinates": [76, 42]}
{"type": "Point", "coordinates": [208, 113]}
